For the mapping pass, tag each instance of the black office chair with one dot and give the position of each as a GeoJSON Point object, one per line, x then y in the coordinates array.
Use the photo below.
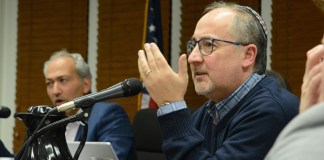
{"type": "Point", "coordinates": [148, 138]}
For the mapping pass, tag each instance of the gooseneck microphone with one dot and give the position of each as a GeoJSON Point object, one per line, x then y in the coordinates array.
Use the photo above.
{"type": "Point", "coordinates": [4, 112]}
{"type": "Point", "coordinates": [128, 87]}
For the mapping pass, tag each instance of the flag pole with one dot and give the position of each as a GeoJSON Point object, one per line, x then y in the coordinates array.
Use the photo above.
{"type": "Point", "coordinates": [139, 101]}
{"type": "Point", "coordinates": [145, 21]}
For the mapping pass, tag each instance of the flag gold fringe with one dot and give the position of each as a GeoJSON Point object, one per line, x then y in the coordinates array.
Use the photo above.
{"type": "Point", "coordinates": [139, 101]}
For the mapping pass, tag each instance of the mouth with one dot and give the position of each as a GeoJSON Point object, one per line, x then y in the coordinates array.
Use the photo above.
{"type": "Point", "coordinates": [59, 102]}
{"type": "Point", "coordinates": [199, 74]}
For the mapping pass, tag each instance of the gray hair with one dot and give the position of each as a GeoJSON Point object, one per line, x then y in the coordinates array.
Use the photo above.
{"type": "Point", "coordinates": [82, 67]}
{"type": "Point", "coordinates": [248, 28]}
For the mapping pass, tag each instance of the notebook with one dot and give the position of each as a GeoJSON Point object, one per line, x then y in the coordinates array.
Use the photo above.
{"type": "Point", "coordinates": [94, 151]}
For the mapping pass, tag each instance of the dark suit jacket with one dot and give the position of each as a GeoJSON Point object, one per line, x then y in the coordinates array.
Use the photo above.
{"type": "Point", "coordinates": [3, 151]}
{"type": "Point", "coordinates": [108, 122]}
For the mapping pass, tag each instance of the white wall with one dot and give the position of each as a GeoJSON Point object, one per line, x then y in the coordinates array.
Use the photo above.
{"type": "Point", "coordinates": [266, 11]}
{"type": "Point", "coordinates": [92, 42]}
{"type": "Point", "coordinates": [175, 34]}
{"type": "Point", "coordinates": [8, 52]}
{"type": "Point", "coordinates": [8, 55]}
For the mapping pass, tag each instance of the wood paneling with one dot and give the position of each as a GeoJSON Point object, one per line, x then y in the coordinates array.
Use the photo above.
{"type": "Point", "coordinates": [297, 26]}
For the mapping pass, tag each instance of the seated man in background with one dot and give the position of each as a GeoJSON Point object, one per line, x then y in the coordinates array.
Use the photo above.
{"type": "Point", "coordinates": [67, 77]}
{"type": "Point", "coordinates": [280, 79]}
{"type": "Point", "coordinates": [4, 151]}
{"type": "Point", "coordinates": [246, 110]}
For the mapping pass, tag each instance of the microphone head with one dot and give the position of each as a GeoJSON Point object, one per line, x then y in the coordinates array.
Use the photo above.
{"type": "Point", "coordinates": [132, 86]}
{"type": "Point", "coordinates": [4, 112]}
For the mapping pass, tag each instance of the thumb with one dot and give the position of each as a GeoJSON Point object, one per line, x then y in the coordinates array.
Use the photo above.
{"type": "Point", "coordinates": [183, 68]}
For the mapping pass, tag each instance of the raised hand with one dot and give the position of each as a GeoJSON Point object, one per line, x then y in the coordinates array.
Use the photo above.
{"type": "Point", "coordinates": [163, 84]}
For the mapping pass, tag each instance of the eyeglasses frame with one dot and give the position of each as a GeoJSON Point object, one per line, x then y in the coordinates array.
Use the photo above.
{"type": "Point", "coordinates": [213, 40]}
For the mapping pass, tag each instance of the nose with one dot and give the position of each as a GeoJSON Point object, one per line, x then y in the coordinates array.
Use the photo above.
{"type": "Point", "coordinates": [195, 56]}
{"type": "Point", "coordinates": [56, 89]}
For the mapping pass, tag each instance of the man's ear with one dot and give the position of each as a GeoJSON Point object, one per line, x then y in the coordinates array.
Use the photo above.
{"type": "Point", "coordinates": [250, 53]}
{"type": "Point", "coordinates": [86, 85]}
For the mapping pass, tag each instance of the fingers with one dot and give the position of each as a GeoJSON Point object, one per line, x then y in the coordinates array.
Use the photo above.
{"type": "Point", "coordinates": [321, 86]}
{"type": "Point", "coordinates": [183, 68]}
{"type": "Point", "coordinates": [313, 80]}
{"type": "Point", "coordinates": [311, 93]}
{"type": "Point", "coordinates": [314, 56]}
{"type": "Point", "coordinates": [150, 57]}
{"type": "Point", "coordinates": [147, 59]}
{"type": "Point", "coordinates": [143, 65]}
{"type": "Point", "coordinates": [155, 58]}
{"type": "Point", "coordinates": [160, 61]}
{"type": "Point", "coordinates": [151, 61]}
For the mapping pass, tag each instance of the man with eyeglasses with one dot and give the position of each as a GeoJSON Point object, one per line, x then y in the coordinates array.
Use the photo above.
{"type": "Point", "coordinates": [246, 110]}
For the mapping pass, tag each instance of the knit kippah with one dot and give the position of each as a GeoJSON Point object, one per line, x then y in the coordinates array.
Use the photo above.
{"type": "Point", "coordinates": [260, 20]}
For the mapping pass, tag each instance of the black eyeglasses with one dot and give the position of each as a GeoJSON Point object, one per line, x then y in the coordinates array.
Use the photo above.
{"type": "Point", "coordinates": [206, 45]}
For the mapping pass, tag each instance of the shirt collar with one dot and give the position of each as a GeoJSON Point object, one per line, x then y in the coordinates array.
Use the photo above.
{"type": "Point", "coordinates": [227, 104]}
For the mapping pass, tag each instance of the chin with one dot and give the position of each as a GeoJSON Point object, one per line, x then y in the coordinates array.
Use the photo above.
{"type": "Point", "coordinates": [200, 90]}
{"type": "Point", "coordinates": [202, 93]}
{"type": "Point", "coordinates": [203, 89]}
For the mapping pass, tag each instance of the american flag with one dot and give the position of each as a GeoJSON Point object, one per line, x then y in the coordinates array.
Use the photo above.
{"type": "Point", "coordinates": [152, 33]}
{"type": "Point", "coordinates": [153, 29]}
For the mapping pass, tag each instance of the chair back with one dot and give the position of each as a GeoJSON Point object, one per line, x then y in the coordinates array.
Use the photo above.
{"type": "Point", "coordinates": [148, 137]}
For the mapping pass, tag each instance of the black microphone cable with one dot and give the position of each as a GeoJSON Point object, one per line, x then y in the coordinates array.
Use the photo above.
{"type": "Point", "coordinates": [78, 117]}
{"type": "Point", "coordinates": [22, 151]}
{"type": "Point", "coordinates": [82, 141]}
